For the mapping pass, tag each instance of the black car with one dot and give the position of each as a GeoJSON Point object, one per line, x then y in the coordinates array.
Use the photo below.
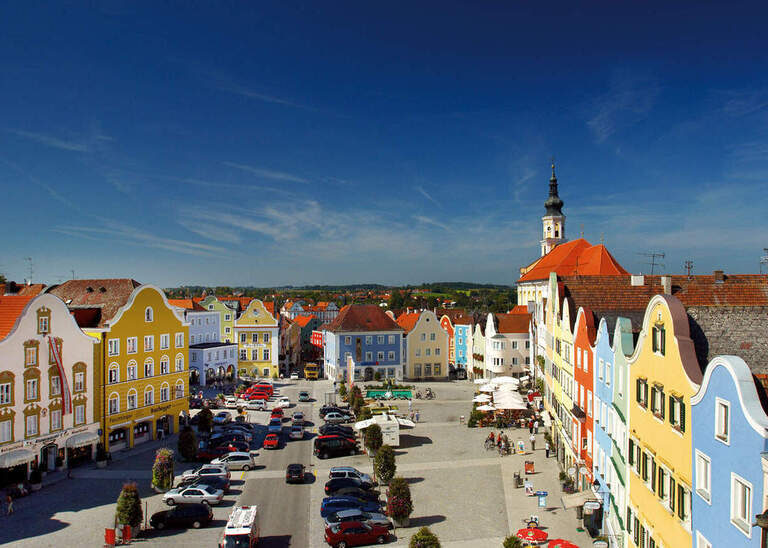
{"type": "Point", "coordinates": [242, 446]}
{"type": "Point", "coordinates": [294, 473]}
{"type": "Point", "coordinates": [217, 482]}
{"type": "Point", "coordinates": [332, 486]}
{"type": "Point", "coordinates": [328, 429]}
{"type": "Point", "coordinates": [334, 445]}
{"type": "Point", "coordinates": [183, 515]}
{"type": "Point", "coordinates": [355, 492]}
{"type": "Point", "coordinates": [230, 435]}
{"type": "Point", "coordinates": [324, 410]}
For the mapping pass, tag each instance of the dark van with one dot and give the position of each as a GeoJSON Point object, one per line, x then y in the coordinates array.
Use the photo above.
{"type": "Point", "coordinates": [334, 446]}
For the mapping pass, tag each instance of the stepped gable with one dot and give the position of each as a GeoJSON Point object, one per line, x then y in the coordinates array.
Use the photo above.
{"type": "Point", "coordinates": [106, 294]}
{"type": "Point", "coordinates": [575, 258]}
{"type": "Point", "coordinates": [362, 317]}
{"type": "Point", "coordinates": [11, 307]}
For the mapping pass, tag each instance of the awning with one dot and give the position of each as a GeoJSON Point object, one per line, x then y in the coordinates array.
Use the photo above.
{"type": "Point", "coordinates": [578, 499]}
{"type": "Point", "coordinates": [83, 438]}
{"type": "Point", "coordinates": [362, 425]}
{"type": "Point", "coordinates": [16, 457]}
{"type": "Point", "coordinates": [405, 422]}
{"type": "Point", "coordinates": [546, 419]}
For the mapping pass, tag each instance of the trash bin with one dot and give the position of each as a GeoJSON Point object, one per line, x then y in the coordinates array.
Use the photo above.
{"type": "Point", "coordinates": [126, 534]}
{"type": "Point", "coordinates": [529, 467]}
{"type": "Point", "coordinates": [109, 537]}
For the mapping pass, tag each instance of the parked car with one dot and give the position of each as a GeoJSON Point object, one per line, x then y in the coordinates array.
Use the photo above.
{"type": "Point", "coordinates": [334, 417]}
{"type": "Point", "coordinates": [272, 441]}
{"type": "Point", "coordinates": [275, 425]}
{"type": "Point", "coordinates": [304, 396]}
{"type": "Point", "coordinates": [334, 445]}
{"type": "Point", "coordinates": [221, 438]}
{"type": "Point", "coordinates": [374, 518]}
{"type": "Point", "coordinates": [325, 409]}
{"type": "Point", "coordinates": [349, 472]}
{"type": "Point", "coordinates": [298, 417]}
{"type": "Point", "coordinates": [237, 461]}
{"type": "Point", "coordinates": [233, 445]}
{"type": "Point", "coordinates": [294, 376]}
{"type": "Point", "coordinates": [241, 426]}
{"type": "Point", "coordinates": [217, 482]}
{"type": "Point", "coordinates": [220, 470]}
{"type": "Point", "coordinates": [222, 417]}
{"type": "Point", "coordinates": [184, 515]}
{"type": "Point", "coordinates": [230, 402]}
{"type": "Point", "coordinates": [355, 533]}
{"type": "Point", "coordinates": [354, 492]}
{"type": "Point", "coordinates": [295, 473]}
{"type": "Point", "coordinates": [251, 396]}
{"type": "Point", "coordinates": [328, 429]}
{"type": "Point", "coordinates": [209, 452]}
{"type": "Point", "coordinates": [334, 504]}
{"type": "Point", "coordinates": [256, 405]}
{"type": "Point", "coordinates": [284, 402]}
{"type": "Point", "coordinates": [196, 493]}
{"type": "Point", "coordinates": [277, 412]}
{"type": "Point", "coordinates": [333, 485]}
{"type": "Point", "coordinates": [296, 432]}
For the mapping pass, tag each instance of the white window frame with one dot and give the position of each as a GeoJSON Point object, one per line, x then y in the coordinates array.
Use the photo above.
{"type": "Point", "coordinates": [114, 410]}
{"type": "Point", "coordinates": [55, 421]}
{"type": "Point", "coordinates": [705, 492]}
{"type": "Point", "coordinates": [6, 431]}
{"type": "Point", "coordinates": [6, 393]}
{"type": "Point", "coordinates": [113, 347]}
{"type": "Point", "coordinates": [149, 314]}
{"type": "Point", "coordinates": [130, 371]}
{"type": "Point", "coordinates": [149, 390]}
{"type": "Point", "coordinates": [179, 340]}
{"type": "Point", "coordinates": [132, 394]}
{"type": "Point", "coordinates": [720, 402]}
{"type": "Point", "coordinates": [380, 356]}
{"type": "Point", "coordinates": [391, 339]}
{"type": "Point", "coordinates": [165, 341]}
{"type": "Point", "coordinates": [79, 414]}
{"type": "Point", "coordinates": [131, 345]}
{"type": "Point", "coordinates": [379, 339]}
{"type": "Point", "coordinates": [35, 420]}
{"type": "Point", "coordinates": [701, 541]}
{"type": "Point", "coordinates": [742, 524]}
{"type": "Point", "coordinates": [149, 343]}
{"type": "Point", "coordinates": [369, 356]}
{"type": "Point", "coordinates": [391, 355]}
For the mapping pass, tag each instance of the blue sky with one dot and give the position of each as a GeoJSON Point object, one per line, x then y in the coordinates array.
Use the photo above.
{"type": "Point", "coordinates": [334, 142]}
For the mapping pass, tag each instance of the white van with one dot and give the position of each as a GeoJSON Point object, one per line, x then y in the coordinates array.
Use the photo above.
{"type": "Point", "coordinates": [242, 528]}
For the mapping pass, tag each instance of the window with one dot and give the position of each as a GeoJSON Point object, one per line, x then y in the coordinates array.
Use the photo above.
{"type": "Point", "coordinates": [131, 401]}
{"type": "Point", "coordinates": [30, 355]}
{"type": "Point", "coordinates": [380, 339]}
{"type": "Point", "coordinates": [165, 341]}
{"type": "Point", "coordinates": [55, 386]}
{"type": "Point", "coordinates": [659, 342]}
{"type": "Point", "coordinates": [417, 370]}
{"type": "Point", "coordinates": [608, 373]}
{"type": "Point", "coordinates": [722, 420]}
{"type": "Point", "coordinates": [641, 395]}
{"type": "Point", "coordinates": [149, 368]}
{"type": "Point", "coordinates": [432, 337]}
{"type": "Point", "coordinates": [380, 356]}
{"type": "Point", "coordinates": [79, 414]}
{"type": "Point", "coordinates": [131, 371]}
{"type": "Point", "coordinates": [589, 403]}
{"type": "Point", "coordinates": [5, 393]}
{"type": "Point", "coordinates": [149, 343]}
{"type": "Point", "coordinates": [391, 339]}
{"type": "Point", "coordinates": [6, 431]}
{"type": "Point", "coordinates": [578, 357]}
{"type": "Point", "coordinates": [179, 363]}
{"type": "Point", "coordinates": [369, 356]}
{"type": "Point", "coordinates": [243, 354]}
{"type": "Point", "coordinates": [677, 413]}
{"type": "Point", "coordinates": [391, 355]}
{"type": "Point", "coordinates": [165, 393]}
{"type": "Point", "coordinates": [227, 317]}
{"type": "Point", "coordinates": [255, 354]}
{"type": "Point", "coordinates": [427, 369]}
{"type": "Point", "coordinates": [227, 330]}
{"type": "Point", "coordinates": [423, 337]}
{"type": "Point", "coordinates": [179, 340]}
{"type": "Point", "coordinates": [437, 369]}
{"type": "Point", "coordinates": [702, 542]}
{"type": "Point", "coordinates": [179, 390]}
{"type": "Point", "coordinates": [369, 339]}
{"type": "Point", "coordinates": [347, 340]}
{"type": "Point", "coordinates": [437, 351]}
{"type": "Point", "coordinates": [55, 419]}
{"type": "Point", "coordinates": [31, 389]}
{"type": "Point", "coordinates": [418, 352]}
{"type": "Point", "coordinates": [243, 337]}
{"type": "Point", "coordinates": [741, 504]}
{"type": "Point", "coordinates": [266, 354]}
{"type": "Point", "coordinates": [266, 337]}
{"type": "Point", "coordinates": [254, 338]}
{"type": "Point", "coordinates": [131, 344]}
{"type": "Point", "coordinates": [601, 369]}
{"type": "Point", "coordinates": [149, 396]}
{"type": "Point", "coordinates": [165, 365]}
{"type": "Point", "coordinates": [31, 424]}
{"type": "Point", "coordinates": [42, 324]}
{"type": "Point", "coordinates": [114, 404]}
{"type": "Point", "coordinates": [148, 314]}
{"type": "Point", "coordinates": [427, 352]}
{"type": "Point", "coordinates": [703, 476]}
{"type": "Point", "coordinates": [657, 401]}
{"type": "Point", "coordinates": [113, 347]}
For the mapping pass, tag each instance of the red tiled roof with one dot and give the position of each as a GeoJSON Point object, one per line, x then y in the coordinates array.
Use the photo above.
{"type": "Point", "coordinates": [304, 320]}
{"type": "Point", "coordinates": [362, 317]}
{"type": "Point", "coordinates": [189, 304]}
{"type": "Point", "coordinates": [463, 319]}
{"type": "Point", "coordinates": [452, 313]}
{"type": "Point", "coordinates": [107, 294]}
{"type": "Point", "coordinates": [512, 323]}
{"type": "Point", "coordinates": [11, 307]}
{"type": "Point", "coordinates": [578, 257]}
{"type": "Point", "coordinates": [519, 309]}
{"type": "Point", "coordinates": [31, 290]}
{"type": "Point", "coordinates": [408, 320]}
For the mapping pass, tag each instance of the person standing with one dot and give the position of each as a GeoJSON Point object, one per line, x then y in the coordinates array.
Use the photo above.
{"type": "Point", "coordinates": [9, 502]}
{"type": "Point", "coordinates": [410, 404]}
{"type": "Point", "coordinates": [546, 448]}
{"type": "Point", "coordinates": [416, 415]}
{"type": "Point", "coordinates": [536, 426]}
{"type": "Point", "coordinates": [533, 442]}
{"type": "Point", "coordinates": [530, 426]}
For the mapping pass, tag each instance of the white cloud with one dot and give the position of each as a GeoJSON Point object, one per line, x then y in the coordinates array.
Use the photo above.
{"type": "Point", "coordinates": [267, 173]}
{"type": "Point", "coordinates": [51, 141]}
{"type": "Point", "coordinates": [427, 195]}
{"type": "Point", "coordinates": [628, 100]}
{"type": "Point", "coordinates": [428, 220]}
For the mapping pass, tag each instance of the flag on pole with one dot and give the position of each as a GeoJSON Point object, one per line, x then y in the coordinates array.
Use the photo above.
{"type": "Point", "coordinates": [65, 395]}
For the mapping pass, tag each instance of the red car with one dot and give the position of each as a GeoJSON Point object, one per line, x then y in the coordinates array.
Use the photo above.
{"type": "Point", "coordinates": [256, 396]}
{"type": "Point", "coordinates": [263, 388]}
{"type": "Point", "coordinates": [277, 412]}
{"type": "Point", "coordinates": [355, 533]}
{"type": "Point", "coordinates": [210, 453]}
{"type": "Point", "coordinates": [272, 441]}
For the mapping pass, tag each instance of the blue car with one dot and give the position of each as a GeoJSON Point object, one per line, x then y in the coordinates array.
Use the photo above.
{"type": "Point", "coordinates": [275, 426]}
{"type": "Point", "coordinates": [334, 504]}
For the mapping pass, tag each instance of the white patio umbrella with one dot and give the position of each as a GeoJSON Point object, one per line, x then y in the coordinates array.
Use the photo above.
{"type": "Point", "coordinates": [487, 388]}
{"type": "Point", "coordinates": [505, 380]}
{"type": "Point", "coordinates": [480, 381]}
{"type": "Point", "coordinates": [481, 398]}
{"type": "Point", "coordinates": [486, 408]}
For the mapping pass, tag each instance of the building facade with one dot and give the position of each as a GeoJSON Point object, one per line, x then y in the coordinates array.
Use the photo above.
{"type": "Point", "coordinates": [49, 387]}
{"type": "Point", "coordinates": [258, 341]}
{"type": "Point", "coordinates": [226, 317]}
{"type": "Point", "coordinates": [462, 341]}
{"type": "Point", "coordinates": [447, 325]}
{"type": "Point", "coordinates": [586, 409]}
{"type": "Point", "coordinates": [426, 347]}
{"type": "Point", "coordinates": [477, 359]}
{"type": "Point", "coordinates": [212, 362]}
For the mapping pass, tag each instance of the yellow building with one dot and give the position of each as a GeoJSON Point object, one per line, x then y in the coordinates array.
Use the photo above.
{"type": "Point", "coordinates": [143, 357]}
{"type": "Point", "coordinates": [664, 375]}
{"type": "Point", "coordinates": [258, 341]}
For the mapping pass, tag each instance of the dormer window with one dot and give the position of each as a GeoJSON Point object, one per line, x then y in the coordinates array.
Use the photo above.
{"type": "Point", "coordinates": [659, 339]}
{"type": "Point", "coordinates": [148, 314]}
{"type": "Point", "coordinates": [89, 289]}
{"type": "Point", "coordinates": [43, 321]}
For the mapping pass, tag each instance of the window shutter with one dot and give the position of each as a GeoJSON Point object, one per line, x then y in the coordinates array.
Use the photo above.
{"type": "Point", "coordinates": [663, 402]}
{"type": "Point", "coordinates": [681, 403]}
{"type": "Point", "coordinates": [631, 452]}
{"type": "Point", "coordinates": [671, 410]}
{"type": "Point", "coordinates": [638, 386]}
{"type": "Point", "coordinates": [653, 339]}
{"type": "Point", "coordinates": [681, 502]}
{"type": "Point", "coordinates": [663, 336]}
{"type": "Point", "coordinates": [629, 520]}
{"type": "Point", "coordinates": [653, 399]}
{"type": "Point", "coordinates": [672, 493]}
{"type": "Point", "coordinates": [653, 476]}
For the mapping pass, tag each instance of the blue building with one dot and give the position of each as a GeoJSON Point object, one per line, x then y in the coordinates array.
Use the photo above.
{"type": "Point", "coordinates": [730, 428]}
{"type": "Point", "coordinates": [462, 340]}
{"type": "Point", "coordinates": [370, 337]}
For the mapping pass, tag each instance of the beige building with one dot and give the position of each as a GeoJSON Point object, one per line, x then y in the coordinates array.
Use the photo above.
{"type": "Point", "coordinates": [425, 346]}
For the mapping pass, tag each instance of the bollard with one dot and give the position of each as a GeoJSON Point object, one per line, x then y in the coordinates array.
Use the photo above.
{"type": "Point", "coordinates": [109, 537]}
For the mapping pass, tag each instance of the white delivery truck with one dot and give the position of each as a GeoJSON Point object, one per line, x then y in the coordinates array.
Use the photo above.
{"type": "Point", "coordinates": [242, 530]}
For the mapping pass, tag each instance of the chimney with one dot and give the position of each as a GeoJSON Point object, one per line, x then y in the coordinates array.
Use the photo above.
{"type": "Point", "coordinates": [666, 284]}
{"type": "Point", "coordinates": [636, 281]}
{"type": "Point", "coordinates": [719, 276]}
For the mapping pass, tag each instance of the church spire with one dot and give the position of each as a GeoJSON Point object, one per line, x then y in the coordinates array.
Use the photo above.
{"type": "Point", "coordinates": [554, 204]}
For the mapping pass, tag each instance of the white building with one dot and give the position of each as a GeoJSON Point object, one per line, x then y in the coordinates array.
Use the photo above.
{"type": "Point", "coordinates": [507, 345]}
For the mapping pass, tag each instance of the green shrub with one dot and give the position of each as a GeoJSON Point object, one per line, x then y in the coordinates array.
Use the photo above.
{"type": "Point", "coordinates": [129, 510]}
{"type": "Point", "coordinates": [364, 414]}
{"type": "Point", "coordinates": [424, 538]}
{"type": "Point", "coordinates": [162, 469]}
{"type": "Point", "coordinates": [205, 421]}
{"type": "Point", "coordinates": [400, 503]}
{"type": "Point", "coordinates": [187, 444]}
{"type": "Point", "coordinates": [377, 376]}
{"type": "Point", "coordinates": [373, 437]}
{"type": "Point", "coordinates": [343, 391]}
{"type": "Point", "coordinates": [474, 417]}
{"type": "Point", "coordinates": [512, 542]}
{"type": "Point", "coordinates": [384, 464]}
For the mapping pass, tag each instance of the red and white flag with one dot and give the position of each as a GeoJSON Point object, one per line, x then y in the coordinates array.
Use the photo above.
{"type": "Point", "coordinates": [65, 395]}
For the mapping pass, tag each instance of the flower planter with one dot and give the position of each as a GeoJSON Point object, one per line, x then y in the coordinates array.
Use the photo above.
{"type": "Point", "coordinates": [158, 490]}
{"type": "Point", "coordinates": [402, 522]}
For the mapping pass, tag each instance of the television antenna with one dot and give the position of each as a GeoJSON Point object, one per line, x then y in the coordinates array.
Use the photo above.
{"type": "Point", "coordinates": [30, 267]}
{"type": "Point", "coordinates": [764, 259]}
{"type": "Point", "coordinates": [688, 267]}
{"type": "Point", "coordinates": [653, 255]}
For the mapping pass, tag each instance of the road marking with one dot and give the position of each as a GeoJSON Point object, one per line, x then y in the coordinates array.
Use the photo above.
{"type": "Point", "coordinates": [315, 472]}
{"type": "Point", "coordinates": [242, 475]}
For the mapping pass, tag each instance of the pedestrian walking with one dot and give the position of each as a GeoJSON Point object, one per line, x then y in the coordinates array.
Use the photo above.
{"type": "Point", "coordinates": [9, 502]}
{"type": "Point", "coordinates": [533, 442]}
{"type": "Point", "coordinates": [536, 426]}
{"type": "Point", "coordinates": [530, 426]}
{"type": "Point", "coordinates": [410, 404]}
{"type": "Point", "coordinates": [546, 448]}
{"type": "Point", "coordinates": [416, 415]}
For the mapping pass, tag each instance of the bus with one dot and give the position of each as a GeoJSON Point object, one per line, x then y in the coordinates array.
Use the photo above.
{"type": "Point", "coordinates": [311, 371]}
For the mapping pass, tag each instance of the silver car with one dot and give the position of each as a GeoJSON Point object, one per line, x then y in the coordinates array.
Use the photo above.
{"type": "Point", "coordinates": [237, 460]}
{"type": "Point", "coordinates": [207, 470]}
{"type": "Point", "coordinates": [193, 493]}
{"type": "Point", "coordinates": [349, 472]}
{"type": "Point", "coordinates": [372, 518]}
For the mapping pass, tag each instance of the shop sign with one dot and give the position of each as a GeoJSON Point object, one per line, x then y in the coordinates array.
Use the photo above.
{"type": "Point", "coordinates": [591, 505]}
{"type": "Point", "coordinates": [160, 409]}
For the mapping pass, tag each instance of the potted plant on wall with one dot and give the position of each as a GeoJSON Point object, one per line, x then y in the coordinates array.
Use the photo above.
{"type": "Point", "coordinates": [162, 470]}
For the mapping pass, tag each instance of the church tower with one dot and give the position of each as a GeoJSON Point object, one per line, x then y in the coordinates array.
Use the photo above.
{"type": "Point", "coordinates": [553, 221]}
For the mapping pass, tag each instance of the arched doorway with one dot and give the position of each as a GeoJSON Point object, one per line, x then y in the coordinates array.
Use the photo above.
{"type": "Point", "coordinates": [48, 456]}
{"type": "Point", "coordinates": [210, 376]}
{"type": "Point", "coordinates": [220, 373]}
{"type": "Point", "coordinates": [230, 372]}
{"type": "Point", "coordinates": [194, 376]}
{"type": "Point", "coordinates": [368, 376]}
